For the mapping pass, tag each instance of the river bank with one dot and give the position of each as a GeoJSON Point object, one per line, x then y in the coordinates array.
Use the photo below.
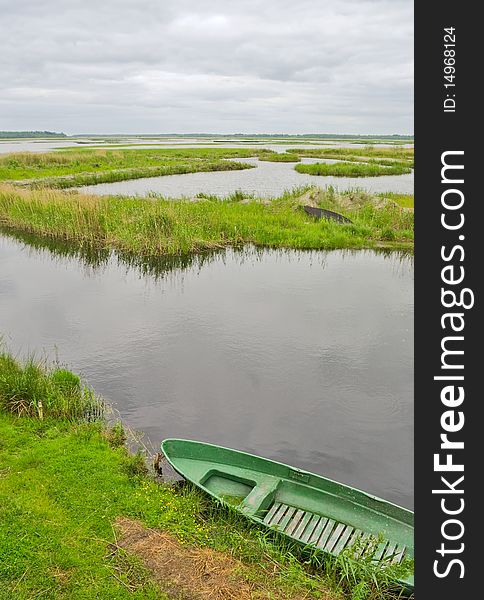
{"type": "Point", "coordinates": [82, 517]}
{"type": "Point", "coordinates": [156, 226]}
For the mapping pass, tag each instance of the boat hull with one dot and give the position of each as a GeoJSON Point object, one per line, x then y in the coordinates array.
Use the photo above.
{"type": "Point", "coordinates": [307, 508]}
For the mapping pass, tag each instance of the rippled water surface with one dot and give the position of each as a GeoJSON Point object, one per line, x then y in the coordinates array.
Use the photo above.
{"type": "Point", "coordinates": [305, 358]}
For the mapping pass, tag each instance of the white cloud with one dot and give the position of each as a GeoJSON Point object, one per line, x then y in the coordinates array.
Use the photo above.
{"type": "Point", "coordinates": [207, 65]}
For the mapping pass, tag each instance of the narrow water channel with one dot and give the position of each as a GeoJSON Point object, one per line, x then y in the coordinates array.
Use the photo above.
{"type": "Point", "coordinates": [266, 180]}
{"type": "Point", "coordinates": [305, 357]}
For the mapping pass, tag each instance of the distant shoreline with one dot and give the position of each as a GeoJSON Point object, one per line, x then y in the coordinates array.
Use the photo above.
{"type": "Point", "coordinates": [327, 136]}
{"type": "Point", "coordinates": [9, 135]}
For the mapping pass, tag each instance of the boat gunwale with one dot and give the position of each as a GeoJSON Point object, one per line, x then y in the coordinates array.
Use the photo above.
{"type": "Point", "coordinates": [405, 511]}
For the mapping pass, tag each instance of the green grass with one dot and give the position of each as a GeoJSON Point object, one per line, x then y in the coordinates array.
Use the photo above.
{"type": "Point", "coordinates": [354, 154]}
{"type": "Point", "coordinates": [154, 227]}
{"type": "Point", "coordinates": [369, 161]}
{"type": "Point", "coordinates": [279, 157]}
{"type": "Point", "coordinates": [77, 167]}
{"type": "Point", "coordinates": [352, 169]}
{"type": "Point", "coordinates": [63, 483]}
{"type": "Point", "coordinates": [56, 511]}
{"type": "Point", "coordinates": [404, 200]}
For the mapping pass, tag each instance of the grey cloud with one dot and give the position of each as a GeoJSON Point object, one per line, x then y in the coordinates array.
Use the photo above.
{"type": "Point", "coordinates": [207, 65]}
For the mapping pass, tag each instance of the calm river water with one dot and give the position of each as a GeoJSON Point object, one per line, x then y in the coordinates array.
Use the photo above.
{"type": "Point", "coordinates": [305, 358]}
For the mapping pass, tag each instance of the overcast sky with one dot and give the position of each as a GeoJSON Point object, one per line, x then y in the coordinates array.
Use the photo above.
{"type": "Point", "coordinates": [163, 66]}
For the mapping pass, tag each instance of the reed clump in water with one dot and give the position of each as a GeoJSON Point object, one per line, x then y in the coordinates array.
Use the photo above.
{"type": "Point", "coordinates": [355, 154]}
{"type": "Point", "coordinates": [353, 169]}
{"type": "Point", "coordinates": [279, 157]}
{"type": "Point", "coordinates": [369, 161]}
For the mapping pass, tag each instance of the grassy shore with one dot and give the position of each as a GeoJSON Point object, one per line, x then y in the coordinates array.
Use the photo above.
{"type": "Point", "coordinates": [153, 227]}
{"type": "Point", "coordinates": [74, 167]}
{"type": "Point", "coordinates": [64, 485]}
{"type": "Point", "coordinates": [352, 169]}
{"type": "Point", "coordinates": [81, 518]}
{"type": "Point", "coordinates": [158, 226]}
{"type": "Point", "coordinates": [369, 161]}
{"type": "Point", "coordinates": [279, 157]}
{"type": "Point", "coordinates": [110, 176]}
{"type": "Point", "coordinates": [355, 154]}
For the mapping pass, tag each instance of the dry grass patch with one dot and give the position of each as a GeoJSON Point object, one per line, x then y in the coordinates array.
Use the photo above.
{"type": "Point", "coordinates": [189, 573]}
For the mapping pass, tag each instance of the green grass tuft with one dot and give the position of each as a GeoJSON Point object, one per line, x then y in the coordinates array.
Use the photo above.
{"type": "Point", "coordinates": [279, 157]}
{"type": "Point", "coordinates": [32, 389]}
{"type": "Point", "coordinates": [353, 169]}
{"type": "Point", "coordinates": [356, 154]}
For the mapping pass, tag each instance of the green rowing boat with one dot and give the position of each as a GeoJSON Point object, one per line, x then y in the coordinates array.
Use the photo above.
{"type": "Point", "coordinates": [307, 508]}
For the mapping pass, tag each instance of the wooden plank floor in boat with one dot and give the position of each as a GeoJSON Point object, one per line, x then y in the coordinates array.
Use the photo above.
{"type": "Point", "coordinates": [327, 534]}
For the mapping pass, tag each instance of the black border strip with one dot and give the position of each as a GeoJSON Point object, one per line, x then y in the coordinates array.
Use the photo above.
{"type": "Point", "coordinates": [436, 132]}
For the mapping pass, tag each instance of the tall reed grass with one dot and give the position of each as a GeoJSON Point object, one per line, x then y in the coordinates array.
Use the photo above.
{"type": "Point", "coordinates": [155, 226]}
{"type": "Point", "coordinates": [379, 152]}
{"type": "Point", "coordinates": [353, 169]}
{"type": "Point", "coordinates": [32, 388]}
